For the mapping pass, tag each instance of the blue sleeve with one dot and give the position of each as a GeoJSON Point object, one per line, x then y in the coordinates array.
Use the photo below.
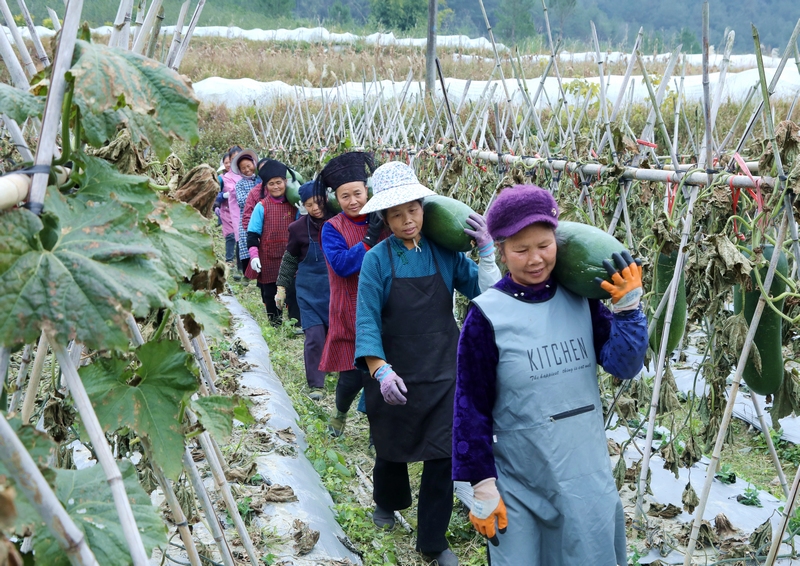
{"type": "Point", "coordinates": [256, 223]}
{"type": "Point", "coordinates": [218, 200]}
{"type": "Point", "coordinates": [465, 276]}
{"type": "Point", "coordinates": [343, 260]}
{"type": "Point", "coordinates": [476, 390]}
{"type": "Point", "coordinates": [620, 340]}
{"type": "Point", "coordinates": [372, 293]}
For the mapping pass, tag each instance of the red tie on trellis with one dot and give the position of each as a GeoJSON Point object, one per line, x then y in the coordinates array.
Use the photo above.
{"type": "Point", "coordinates": [736, 191]}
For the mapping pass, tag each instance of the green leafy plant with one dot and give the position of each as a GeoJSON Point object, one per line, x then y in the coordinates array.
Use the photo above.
{"type": "Point", "coordinates": [749, 497]}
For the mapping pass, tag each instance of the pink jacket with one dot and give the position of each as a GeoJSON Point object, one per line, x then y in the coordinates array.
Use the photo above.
{"type": "Point", "coordinates": [225, 217]}
{"type": "Point", "coordinates": [229, 181]}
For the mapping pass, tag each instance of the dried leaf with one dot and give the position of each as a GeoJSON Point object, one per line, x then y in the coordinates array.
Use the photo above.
{"type": "Point", "coordinates": [8, 511]}
{"type": "Point", "coordinates": [723, 526]}
{"type": "Point", "coordinates": [787, 398]}
{"type": "Point", "coordinates": [304, 537]}
{"type": "Point", "coordinates": [620, 473]}
{"type": "Point", "coordinates": [280, 494]}
{"type": "Point", "coordinates": [689, 498]}
{"type": "Point", "coordinates": [287, 435]}
{"type": "Point", "coordinates": [761, 539]}
{"type": "Point", "coordinates": [691, 453]}
{"type": "Point", "coordinates": [667, 511]}
{"type": "Point", "coordinates": [199, 188]}
{"type": "Point", "coordinates": [670, 458]}
{"type": "Point", "coordinates": [668, 396]}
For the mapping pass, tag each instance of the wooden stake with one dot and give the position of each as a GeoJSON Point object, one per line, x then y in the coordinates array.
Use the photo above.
{"type": "Point", "coordinates": [30, 68]}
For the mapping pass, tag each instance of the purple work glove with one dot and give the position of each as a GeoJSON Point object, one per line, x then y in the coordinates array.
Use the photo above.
{"type": "Point", "coordinates": [391, 385]}
{"type": "Point", "coordinates": [480, 233]}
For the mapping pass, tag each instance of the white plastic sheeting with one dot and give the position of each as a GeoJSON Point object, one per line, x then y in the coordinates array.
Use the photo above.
{"type": "Point", "coordinates": [273, 410]}
{"type": "Point", "coordinates": [309, 35]}
{"type": "Point", "coordinates": [246, 92]}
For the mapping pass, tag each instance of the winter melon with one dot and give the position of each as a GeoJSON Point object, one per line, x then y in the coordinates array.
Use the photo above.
{"type": "Point", "coordinates": [665, 268]}
{"type": "Point", "coordinates": [293, 182]}
{"type": "Point", "coordinates": [581, 251]}
{"type": "Point", "coordinates": [769, 332]}
{"type": "Point", "coordinates": [444, 222]}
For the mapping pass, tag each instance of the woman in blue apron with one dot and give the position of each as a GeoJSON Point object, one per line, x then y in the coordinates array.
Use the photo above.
{"type": "Point", "coordinates": [528, 428]}
{"type": "Point", "coordinates": [304, 263]}
{"type": "Point", "coordinates": [406, 335]}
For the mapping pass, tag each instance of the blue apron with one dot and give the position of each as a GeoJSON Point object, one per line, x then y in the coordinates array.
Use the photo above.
{"type": "Point", "coordinates": [313, 289]}
{"type": "Point", "coordinates": [553, 468]}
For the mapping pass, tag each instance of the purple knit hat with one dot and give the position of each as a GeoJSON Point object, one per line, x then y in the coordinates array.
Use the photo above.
{"type": "Point", "coordinates": [520, 206]}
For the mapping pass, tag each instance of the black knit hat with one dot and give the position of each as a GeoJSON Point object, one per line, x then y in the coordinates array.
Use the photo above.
{"type": "Point", "coordinates": [271, 168]}
{"type": "Point", "coordinates": [347, 168]}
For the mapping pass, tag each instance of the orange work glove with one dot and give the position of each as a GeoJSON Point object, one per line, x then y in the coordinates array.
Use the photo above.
{"type": "Point", "coordinates": [487, 508]}
{"type": "Point", "coordinates": [625, 287]}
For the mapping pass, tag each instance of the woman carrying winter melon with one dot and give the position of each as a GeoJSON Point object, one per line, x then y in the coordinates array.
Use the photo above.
{"type": "Point", "coordinates": [528, 428]}
{"type": "Point", "coordinates": [406, 335]}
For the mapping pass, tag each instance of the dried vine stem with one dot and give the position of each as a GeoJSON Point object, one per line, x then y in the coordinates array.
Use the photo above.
{"type": "Point", "coordinates": [103, 451]}
{"type": "Point", "coordinates": [30, 481]}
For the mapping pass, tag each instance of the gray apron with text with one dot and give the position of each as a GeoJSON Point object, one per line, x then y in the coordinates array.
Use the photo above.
{"type": "Point", "coordinates": [550, 448]}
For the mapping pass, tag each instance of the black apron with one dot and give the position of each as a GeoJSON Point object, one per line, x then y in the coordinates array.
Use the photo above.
{"type": "Point", "coordinates": [313, 290]}
{"type": "Point", "coordinates": [420, 339]}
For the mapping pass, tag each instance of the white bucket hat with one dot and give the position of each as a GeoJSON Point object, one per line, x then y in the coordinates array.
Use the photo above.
{"type": "Point", "coordinates": [244, 153]}
{"type": "Point", "coordinates": [394, 183]}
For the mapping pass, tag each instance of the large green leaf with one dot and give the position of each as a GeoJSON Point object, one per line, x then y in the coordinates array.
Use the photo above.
{"type": "Point", "coordinates": [39, 446]}
{"type": "Point", "coordinates": [205, 311]}
{"type": "Point", "coordinates": [99, 181]}
{"type": "Point", "coordinates": [179, 232]}
{"type": "Point", "coordinates": [87, 498]}
{"type": "Point", "coordinates": [146, 398]}
{"type": "Point", "coordinates": [216, 414]}
{"type": "Point", "coordinates": [76, 272]}
{"type": "Point", "coordinates": [18, 104]}
{"type": "Point", "coordinates": [113, 86]}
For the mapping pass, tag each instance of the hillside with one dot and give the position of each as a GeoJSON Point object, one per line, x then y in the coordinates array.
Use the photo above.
{"type": "Point", "coordinates": [514, 21]}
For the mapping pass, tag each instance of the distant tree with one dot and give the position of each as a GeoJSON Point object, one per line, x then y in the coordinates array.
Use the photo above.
{"type": "Point", "coordinates": [515, 20]}
{"type": "Point", "coordinates": [340, 13]}
{"type": "Point", "coordinates": [402, 15]}
{"type": "Point", "coordinates": [562, 10]}
{"type": "Point", "coordinates": [689, 40]}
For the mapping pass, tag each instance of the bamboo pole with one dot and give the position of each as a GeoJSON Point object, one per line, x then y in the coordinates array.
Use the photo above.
{"type": "Point", "coordinates": [119, 23]}
{"type": "Point", "coordinates": [734, 390]}
{"type": "Point", "coordinates": [144, 31]}
{"type": "Point", "coordinates": [37, 43]}
{"type": "Point", "coordinates": [156, 31]}
{"type": "Point", "coordinates": [23, 372]}
{"type": "Point", "coordinates": [54, 18]}
{"type": "Point", "coordinates": [137, 25]}
{"type": "Point", "coordinates": [33, 385]}
{"type": "Point", "coordinates": [13, 65]}
{"type": "Point", "coordinates": [174, 47]}
{"type": "Point", "coordinates": [662, 354]}
{"type": "Point", "coordinates": [225, 490]}
{"type": "Point", "coordinates": [55, 97]}
{"type": "Point", "coordinates": [102, 451]}
{"type": "Point", "coordinates": [192, 24]}
{"type": "Point", "coordinates": [705, 148]}
{"type": "Point", "coordinates": [30, 68]}
{"type": "Point", "coordinates": [776, 461]}
{"type": "Point", "coordinates": [603, 107]}
{"type": "Point", "coordinates": [208, 507]}
{"type": "Point", "coordinates": [777, 537]}
{"type": "Point", "coordinates": [30, 481]}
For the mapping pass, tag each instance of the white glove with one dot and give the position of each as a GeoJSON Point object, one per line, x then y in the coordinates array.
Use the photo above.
{"type": "Point", "coordinates": [226, 194]}
{"type": "Point", "coordinates": [255, 265]}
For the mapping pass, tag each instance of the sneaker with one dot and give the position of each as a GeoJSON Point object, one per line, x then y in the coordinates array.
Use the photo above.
{"type": "Point", "coordinates": [382, 518]}
{"type": "Point", "coordinates": [336, 423]}
{"type": "Point", "coordinates": [316, 393]}
{"type": "Point", "coordinates": [443, 558]}
{"type": "Point", "coordinates": [298, 332]}
{"type": "Point", "coordinates": [237, 277]}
